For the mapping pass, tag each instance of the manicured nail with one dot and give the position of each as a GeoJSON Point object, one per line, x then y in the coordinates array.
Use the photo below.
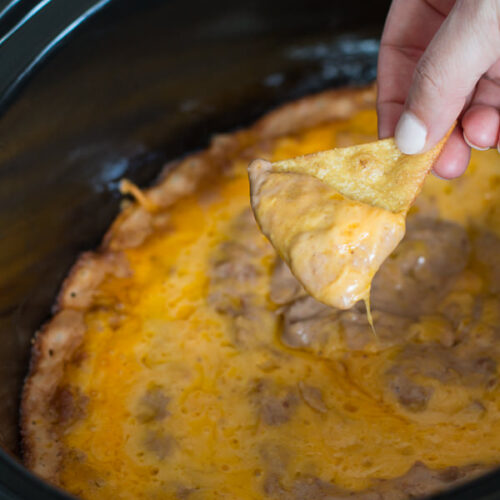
{"type": "Point", "coordinates": [410, 134]}
{"type": "Point", "coordinates": [473, 146]}
{"type": "Point", "coordinates": [437, 175]}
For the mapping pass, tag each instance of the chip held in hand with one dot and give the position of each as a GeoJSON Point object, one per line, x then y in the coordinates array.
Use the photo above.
{"type": "Point", "coordinates": [336, 215]}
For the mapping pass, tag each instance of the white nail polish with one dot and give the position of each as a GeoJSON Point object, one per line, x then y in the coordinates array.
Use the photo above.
{"type": "Point", "coordinates": [473, 146]}
{"type": "Point", "coordinates": [410, 134]}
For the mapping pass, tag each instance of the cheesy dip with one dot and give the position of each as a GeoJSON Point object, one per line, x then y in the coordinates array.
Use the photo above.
{"type": "Point", "coordinates": [184, 360]}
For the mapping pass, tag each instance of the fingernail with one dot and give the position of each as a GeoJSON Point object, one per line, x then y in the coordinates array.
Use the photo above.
{"type": "Point", "coordinates": [410, 134]}
{"type": "Point", "coordinates": [473, 146]}
{"type": "Point", "coordinates": [437, 175]}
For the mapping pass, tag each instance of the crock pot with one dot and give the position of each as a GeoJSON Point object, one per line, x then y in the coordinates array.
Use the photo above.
{"type": "Point", "coordinates": [91, 91]}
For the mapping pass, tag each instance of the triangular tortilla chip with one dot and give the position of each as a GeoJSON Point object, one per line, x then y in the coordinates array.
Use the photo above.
{"type": "Point", "coordinates": [376, 173]}
{"type": "Point", "coordinates": [335, 216]}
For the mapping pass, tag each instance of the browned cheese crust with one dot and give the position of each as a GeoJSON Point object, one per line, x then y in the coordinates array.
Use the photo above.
{"type": "Point", "coordinates": [57, 342]}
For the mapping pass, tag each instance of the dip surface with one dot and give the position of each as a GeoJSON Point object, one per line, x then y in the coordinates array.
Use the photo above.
{"type": "Point", "coordinates": [205, 371]}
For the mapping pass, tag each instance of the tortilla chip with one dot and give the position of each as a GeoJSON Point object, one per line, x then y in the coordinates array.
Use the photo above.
{"type": "Point", "coordinates": [332, 244]}
{"type": "Point", "coordinates": [335, 216]}
{"type": "Point", "coordinates": [376, 173]}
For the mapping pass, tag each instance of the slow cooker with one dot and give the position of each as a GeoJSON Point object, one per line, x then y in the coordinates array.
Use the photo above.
{"type": "Point", "coordinates": [92, 90]}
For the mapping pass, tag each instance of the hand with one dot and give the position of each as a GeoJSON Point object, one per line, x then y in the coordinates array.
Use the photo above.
{"type": "Point", "coordinates": [440, 62]}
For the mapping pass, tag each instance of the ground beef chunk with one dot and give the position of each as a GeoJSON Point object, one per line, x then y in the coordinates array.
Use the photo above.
{"type": "Point", "coordinates": [458, 365]}
{"type": "Point", "coordinates": [275, 404]}
{"type": "Point", "coordinates": [227, 304]}
{"type": "Point", "coordinates": [235, 262]}
{"type": "Point", "coordinates": [235, 271]}
{"type": "Point", "coordinates": [272, 487]}
{"type": "Point", "coordinates": [184, 492]}
{"type": "Point", "coordinates": [249, 327]}
{"type": "Point", "coordinates": [309, 324]}
{"type": "Point", "coordinates": [284, 286]}
{"type": "Point", "coordinates": [412, 396]}
{"type": "Point", "coordinates": [276, 411]}
{"type": "Point", "coordinates": [420, 481]}
{"type": "Point", "coordinates": [70, 404]}
{"type": "Point", "coordinates": [275, 456]}
{"type": "Point", "coordinates": [159, 444]}
{"type": "Point", "coordinates": [307, 307]}
{"type": "Point", "coordinates": [309, 487]}
{"type": "Point", "coordinates": [311, 333]}
{"type": "Point", "coordinates": [357, 332]}
{"type": "Point", "coordinates": [486, 251]}
{"type": "Point", "coordinates": [152, 405]}
{"type": "Point", "coordinates": [422, 268]}
{"type": "Point", "coordinates": [245, 230]}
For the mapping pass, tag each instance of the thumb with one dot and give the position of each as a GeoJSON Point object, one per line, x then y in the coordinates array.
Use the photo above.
{"type": "Point", "coordinates": [464, 48]}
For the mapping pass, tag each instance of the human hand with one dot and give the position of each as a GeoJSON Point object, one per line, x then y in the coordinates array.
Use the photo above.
{"type": "Point", "coordinates": [440, 62]}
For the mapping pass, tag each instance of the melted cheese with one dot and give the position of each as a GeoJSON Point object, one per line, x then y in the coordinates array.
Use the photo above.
{"type": "Point", "coordinates": [174, 379]}
{"type": "Point", "coordinates": [336, 215]}
{"type": "Point", "coordinates": [333, 245]}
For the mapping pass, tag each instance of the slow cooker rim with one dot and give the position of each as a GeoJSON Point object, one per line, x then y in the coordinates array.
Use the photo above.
{"type": "Point", "coordinates": [26, 482]}
{"type": "Point", "coordinates": [34, 35]}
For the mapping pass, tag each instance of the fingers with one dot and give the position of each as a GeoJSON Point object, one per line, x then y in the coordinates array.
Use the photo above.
{"type": "Point", "coordinates": [409, 28]}
{"type": "Point", "coordinates": [388, 115]}
{"type": "Point", "coordinates": [454, 158]}
{"type": "Point", "coordinates": [480, 126]}
{"type": "Point", "coordinates": [466, 45]}
{"type": "Point", "coordinates": [481, 121]}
